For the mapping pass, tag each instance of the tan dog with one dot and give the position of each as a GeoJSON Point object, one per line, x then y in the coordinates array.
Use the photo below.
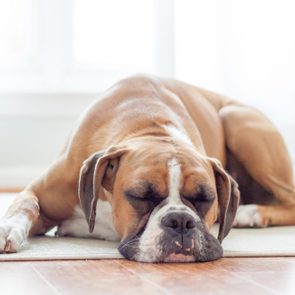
{"type": "Point", "coordinates": [148, 156]}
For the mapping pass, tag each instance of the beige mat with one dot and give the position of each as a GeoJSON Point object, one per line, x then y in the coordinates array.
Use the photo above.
{"type": "Point", "coordinates": [276, 241]}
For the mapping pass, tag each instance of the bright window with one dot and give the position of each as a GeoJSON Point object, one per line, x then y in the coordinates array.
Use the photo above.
{"type": "Point", "coordinates": [16, 41]}
{"type": "Point", "coordinates": [82, 45]}
{"type": "Point", "coordinates": [111, 35]}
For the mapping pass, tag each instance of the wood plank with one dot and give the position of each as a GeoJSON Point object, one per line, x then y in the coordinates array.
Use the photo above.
{"type": "Point", "coordinates": [20, 278]}
{"type": "Point", "coordinates": [225, 276]}
{"type": "Point", "coordinates": [274, 273]}
{"type": "Point", "coordinates": [94, 277]}
{"type": "Point", "coordinates": [203, 278]}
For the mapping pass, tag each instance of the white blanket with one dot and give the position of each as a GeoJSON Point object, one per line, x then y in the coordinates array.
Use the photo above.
{"type": "Point", "coordinates": [274, 241]}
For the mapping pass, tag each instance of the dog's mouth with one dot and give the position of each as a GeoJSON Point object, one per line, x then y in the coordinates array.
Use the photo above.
{"type": "Point", "coordinates": [129, 247]}
{"type": "Point", "coordinates": [207, 248]}
{"type": "Point", "coordinates": [173, 257]}
{"type": "Point", "coordinates": [131, 250]}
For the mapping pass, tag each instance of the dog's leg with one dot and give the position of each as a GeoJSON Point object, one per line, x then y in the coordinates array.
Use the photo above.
{"type": "Point", "coordinates": [17, 222]}
{"type": "Point", "coordinates": [256, 143]}
{"type": "Point", "coordinates": [23, 218]}
{"type": "Point", "coordinates": [44, 204]}
{"type": "Point", "coordinates": [262, 216]}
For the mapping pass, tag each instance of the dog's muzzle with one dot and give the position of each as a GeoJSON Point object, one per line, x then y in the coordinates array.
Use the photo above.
{"type": "Point", "coordinates": [179, 228]}
{"type": "Point", "coordinates": [175, 236]}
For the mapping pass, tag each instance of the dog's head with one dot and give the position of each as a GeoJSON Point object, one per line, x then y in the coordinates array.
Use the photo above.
{"type": "Point", "coordinates": [164, 198]}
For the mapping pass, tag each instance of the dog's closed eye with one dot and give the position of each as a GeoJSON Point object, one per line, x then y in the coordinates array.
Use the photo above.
{"type": "Point", "coordinates": [143, 198]}
{"type": "Point", "coordinates": [154, 199]}
{"type": "Point", "coordinates": [203, 194]}
{"type": "Point", "coordinates": [201, 200]}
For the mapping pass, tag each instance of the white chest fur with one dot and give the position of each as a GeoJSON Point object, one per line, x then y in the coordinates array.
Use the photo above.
{"type": "Point", "coordinates": [77, 226]}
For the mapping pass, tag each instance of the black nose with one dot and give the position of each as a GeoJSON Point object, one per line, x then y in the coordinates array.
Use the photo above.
{"type": "Point", "coordinates": [180, 223]}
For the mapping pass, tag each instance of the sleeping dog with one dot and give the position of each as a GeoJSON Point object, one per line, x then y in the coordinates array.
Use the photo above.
{"type": "Point", "coordinates": [154, 163]}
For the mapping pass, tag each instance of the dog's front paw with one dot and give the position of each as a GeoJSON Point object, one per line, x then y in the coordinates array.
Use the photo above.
{"type": "Point", "coordinates": [13, 234]}
{"type": "Point", "coordinates": [248, 216]}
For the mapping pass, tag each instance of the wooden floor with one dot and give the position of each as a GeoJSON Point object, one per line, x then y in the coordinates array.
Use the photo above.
{"type": "Point", "coordinates": [249, 276]}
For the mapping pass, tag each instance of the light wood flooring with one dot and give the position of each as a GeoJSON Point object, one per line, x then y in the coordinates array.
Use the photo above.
{"type": "Point", "coordinates": [249, 276]}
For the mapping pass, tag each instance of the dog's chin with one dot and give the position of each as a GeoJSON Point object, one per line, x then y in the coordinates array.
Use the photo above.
{"type": "Point", "coordinates": [179, 258]}
{"type": "Point", "coordinates": [212, 251]}
{"type": "Point", "coordinates": [206, 248]}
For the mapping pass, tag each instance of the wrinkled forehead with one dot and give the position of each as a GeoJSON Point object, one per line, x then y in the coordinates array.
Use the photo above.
{"type": "Point", "coordinates": [167, 175]}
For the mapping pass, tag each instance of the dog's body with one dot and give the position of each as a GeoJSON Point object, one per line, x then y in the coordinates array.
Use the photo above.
{"type": "Point", "coordinates": [155, 151]}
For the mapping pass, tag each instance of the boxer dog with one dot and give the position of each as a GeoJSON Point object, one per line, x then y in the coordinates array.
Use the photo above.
{"type": "Point", "coordinates": [154, 163]}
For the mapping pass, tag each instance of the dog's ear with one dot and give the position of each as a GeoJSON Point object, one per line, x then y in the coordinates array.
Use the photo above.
{"type": "Point", "coordinates": [228, 198]}
{"type": "Point", "coordinates": [96, 173]}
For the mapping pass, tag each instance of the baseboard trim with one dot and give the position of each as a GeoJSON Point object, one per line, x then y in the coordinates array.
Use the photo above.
{"type": "Point", "coordinates": [11, 190]}
{"type": "Point", "coordinates": [15, 178]}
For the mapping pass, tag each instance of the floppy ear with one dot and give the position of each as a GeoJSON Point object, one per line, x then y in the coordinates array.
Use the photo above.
{"type": "Point", "coordinates": [228, 198]}
{"type": "Point", "coordinates": [96, 173]}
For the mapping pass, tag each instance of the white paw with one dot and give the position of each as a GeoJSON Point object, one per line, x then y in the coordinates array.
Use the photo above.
{"type": "Point", "coordinates": [248, 216]}
{"type": "Point", "coordinates": [13, 233]}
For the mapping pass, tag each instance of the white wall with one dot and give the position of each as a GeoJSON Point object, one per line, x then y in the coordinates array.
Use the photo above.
{"type": "Point", "coordinates": [33, 130]}
{"type": "Point", "coordinates": [243, 49]}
